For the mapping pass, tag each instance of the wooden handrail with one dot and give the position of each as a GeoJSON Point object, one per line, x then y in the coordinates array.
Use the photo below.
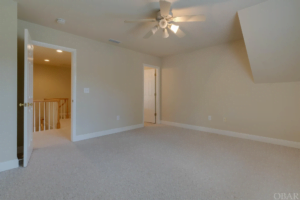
{"type": "Point", "coordinates": [36, 101]}
{"type": "Point", "coordinates": [59, 99]}
{"type": "Point", "coordinates": [55, 98]}
{"type": "Point", "coordinates": [63, 104]}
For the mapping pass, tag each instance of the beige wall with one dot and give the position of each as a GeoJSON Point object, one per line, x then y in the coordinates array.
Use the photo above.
{"type": "Point", "coordinates": [51, 82]}
{"type": "Point", "coordinates": [217, 81]}
{"type": "Point", "coordinates": [272, 36]}
{"type": "Point", "coordinates": [113, 74]}
{"type": "Point", "coordinates": [8, 80]}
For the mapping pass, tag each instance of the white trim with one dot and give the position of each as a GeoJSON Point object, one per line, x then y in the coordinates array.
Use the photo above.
{"type": "Point", "coordinates": [73, 80]}
{"type": "Point", "coordinates": [106, 132]}
{"type": "Point", "coordinates": [7, 165]}
{"type": "Point", "coordinates": [52, 46]}
{"type": "Point", "coordinates": [236, 134]}
{"type": "Point", "coordinates": [157, 92]}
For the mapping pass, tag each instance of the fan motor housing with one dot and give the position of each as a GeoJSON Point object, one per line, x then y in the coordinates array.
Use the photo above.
{"type": "Point", "coordinates": [159, 17]}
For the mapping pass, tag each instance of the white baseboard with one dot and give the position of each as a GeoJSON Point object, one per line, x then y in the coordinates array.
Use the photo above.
{"type": "Point", "coordinates": [236, 134]}
{"type": "Point", "coordinates": [7, 165]}
{"type": "Point", "coordinates": [106, 132]}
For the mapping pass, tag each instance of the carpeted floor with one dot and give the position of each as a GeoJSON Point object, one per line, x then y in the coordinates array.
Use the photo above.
{"type": "Point", "coordinates": [155, 162]}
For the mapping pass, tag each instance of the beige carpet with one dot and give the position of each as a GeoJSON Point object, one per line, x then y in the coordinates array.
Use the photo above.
{"type": "Point", "coordinates": [155, 162]}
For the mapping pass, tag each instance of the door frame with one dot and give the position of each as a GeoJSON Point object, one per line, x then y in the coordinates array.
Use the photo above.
{"type": "Point", "coordinates": [157, 91]}
{"type": "Point", "coordinates": [73, 81]}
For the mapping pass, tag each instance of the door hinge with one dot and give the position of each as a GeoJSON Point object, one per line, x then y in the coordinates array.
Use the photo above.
{"type": "Point", "coordinates": [155, 114]}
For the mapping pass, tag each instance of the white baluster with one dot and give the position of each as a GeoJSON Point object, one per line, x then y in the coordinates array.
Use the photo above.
{"type": "Point", "coordinates": [64, 109]}
{"type": "Point", "coordinates": [61, 109]}
{"type": "Point", "coordinates": [44, 116]}
{"type": "Point", "coordinates": [49, 117]}
{"type": "Point", "coordinates": [34, 128]}
{"type": "Point", "coordinates": [53, 114]}
{"type": "Point", "coordinates": [39, 116]}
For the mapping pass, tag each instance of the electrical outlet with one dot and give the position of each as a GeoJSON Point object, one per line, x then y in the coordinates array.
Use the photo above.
{"type": "Point", "coordinates": [224, 119]}
{"type": "Point", "coordinates": [209, 118]}
{"type": "Point", "coordinates": [118, 117]}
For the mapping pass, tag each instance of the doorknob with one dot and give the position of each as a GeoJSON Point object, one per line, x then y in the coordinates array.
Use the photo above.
{"type": "Point", "coordinates": [23, 104]}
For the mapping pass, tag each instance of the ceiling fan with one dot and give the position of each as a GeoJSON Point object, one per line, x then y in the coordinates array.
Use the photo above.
{"type": "Point", "coordinates": [166, 21]}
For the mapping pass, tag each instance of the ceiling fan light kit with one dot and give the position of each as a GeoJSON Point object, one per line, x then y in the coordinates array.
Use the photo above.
{"type": "Point", "coordinates": [155, 29]}
{"type": "Point", "coordinates": [166, 34]}
{"type": "Point", "coordinates": [165, 21]}
{"type": "Point", "coordinates": [174, 28]}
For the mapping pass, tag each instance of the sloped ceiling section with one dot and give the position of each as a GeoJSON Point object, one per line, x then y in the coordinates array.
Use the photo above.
{"type": "Point", "coordinates": [271, 32]}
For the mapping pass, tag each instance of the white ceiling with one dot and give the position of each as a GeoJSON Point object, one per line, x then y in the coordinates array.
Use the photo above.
{"type": "Point", "coordinates": [104, 19]}
{"type": "Point", "coordinates": [55, 59]}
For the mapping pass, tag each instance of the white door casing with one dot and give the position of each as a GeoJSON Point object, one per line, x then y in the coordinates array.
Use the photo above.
{"type": "Point", "coordinates": [149, 95]}
{"type": "Point", "coordinates": [28, 98]}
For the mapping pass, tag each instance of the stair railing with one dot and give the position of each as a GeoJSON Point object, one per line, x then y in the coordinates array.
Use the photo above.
{"type": "Point", "coordinates": [63, 107]}
{"type": "Point", "coordinates": [46, 115]}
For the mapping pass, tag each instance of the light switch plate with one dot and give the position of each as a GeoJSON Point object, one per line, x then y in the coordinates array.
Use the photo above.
{"type": "Point", "coordinates": [86, 90]}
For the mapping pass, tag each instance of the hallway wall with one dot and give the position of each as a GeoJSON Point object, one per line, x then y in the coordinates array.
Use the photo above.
{"type": "Point", "coordinates": [51, 82]}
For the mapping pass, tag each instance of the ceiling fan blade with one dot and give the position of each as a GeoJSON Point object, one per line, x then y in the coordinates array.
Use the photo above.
{"type": "Point", "coordinates": [151, 32]}
{"type": "Point", "coordinates": [148, 35]}
{"type": "Point", "coordinates": [140, 20]}
{"type": "Point", "coordinates": [190, 18]}
{"type": "Point", "coordinates": [165, 7]}
{"type": "Point", "coordinates": [179, 33]}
